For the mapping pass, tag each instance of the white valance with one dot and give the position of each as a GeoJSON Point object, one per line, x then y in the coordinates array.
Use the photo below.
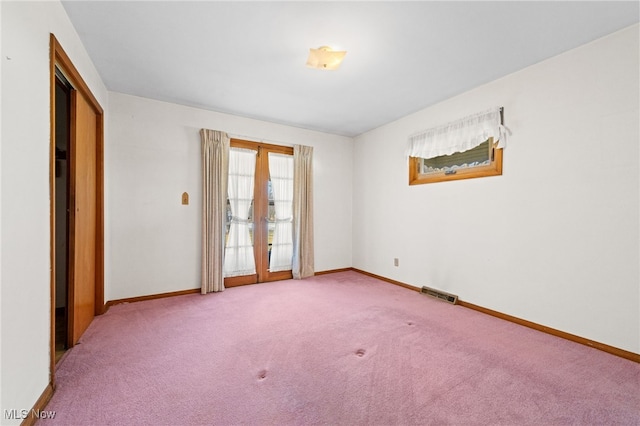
{"type": "Point", "coordinates": [459, 136]}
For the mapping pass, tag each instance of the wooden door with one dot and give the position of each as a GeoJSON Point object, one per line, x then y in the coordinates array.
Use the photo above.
{"type": "Point", "coordinates": [82, 216]}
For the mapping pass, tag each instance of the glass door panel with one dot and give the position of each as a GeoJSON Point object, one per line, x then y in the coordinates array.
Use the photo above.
{"type": "Point", "coordinates": [280, 212]}
{"type": "Point", "coordinates": [239, 259]}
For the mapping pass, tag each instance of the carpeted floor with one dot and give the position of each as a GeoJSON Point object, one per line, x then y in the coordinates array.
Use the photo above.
{"type": "Point", "coordinates": [337, 349]}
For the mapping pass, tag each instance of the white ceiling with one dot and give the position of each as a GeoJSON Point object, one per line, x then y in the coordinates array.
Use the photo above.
{"type": "Point", "coordinates": [248, 58]}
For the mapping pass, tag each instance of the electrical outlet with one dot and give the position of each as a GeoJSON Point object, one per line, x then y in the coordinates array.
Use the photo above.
{"type": "Point", "coordinates": [396, 261]}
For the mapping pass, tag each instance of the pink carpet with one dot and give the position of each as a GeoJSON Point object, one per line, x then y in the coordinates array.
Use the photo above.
{"type": "Point", "coordinates": [338, 349]}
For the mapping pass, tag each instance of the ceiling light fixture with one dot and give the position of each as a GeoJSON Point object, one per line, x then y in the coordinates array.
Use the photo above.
{"type": "Point", "coordinates": [325, 58]}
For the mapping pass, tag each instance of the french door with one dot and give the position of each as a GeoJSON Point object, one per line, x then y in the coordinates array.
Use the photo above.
{"type": "Point", "coordinates": [259, 236]}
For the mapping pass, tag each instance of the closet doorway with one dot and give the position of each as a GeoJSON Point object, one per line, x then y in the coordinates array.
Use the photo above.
{"type": "Point", "coordinates": [76, 185]}
{"type": "Point", "coordinates": [259, 237]}
{"type": "Point", "coordinates": [61, 174]}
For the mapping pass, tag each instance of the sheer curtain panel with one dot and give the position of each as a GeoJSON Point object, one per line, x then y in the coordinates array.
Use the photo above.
{"type": "Point", "coordinates": [215, 167]}
{"type": "Point", "coordinates": [238, 256]}
{"type": "Point", "coordinates": [281, 175]}
{"type": "Point", "coordinates": [459, 136]}
{"type": "Point", "coordinates": [303, 257]}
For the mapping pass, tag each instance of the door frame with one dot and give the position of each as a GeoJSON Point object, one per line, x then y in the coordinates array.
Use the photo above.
{"type": "Point", "coordinates": [59, 59]}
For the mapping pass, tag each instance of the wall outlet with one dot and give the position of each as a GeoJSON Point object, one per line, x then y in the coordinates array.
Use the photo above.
{"type": "Point", "coordinates": [396, 261]}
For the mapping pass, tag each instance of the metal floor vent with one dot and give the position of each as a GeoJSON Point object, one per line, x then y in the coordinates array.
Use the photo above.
{"type": "Point", "coordinates": [450, 298]}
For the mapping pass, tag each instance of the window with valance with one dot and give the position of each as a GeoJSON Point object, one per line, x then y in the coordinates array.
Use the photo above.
{"type": "Point", "coordinates": [467, 148]}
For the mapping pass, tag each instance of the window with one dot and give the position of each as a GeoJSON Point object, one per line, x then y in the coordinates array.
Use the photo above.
{"type": "Point", "coordinates": [481, 161]}
{"type": "Point", "coordinates": [467, 148]}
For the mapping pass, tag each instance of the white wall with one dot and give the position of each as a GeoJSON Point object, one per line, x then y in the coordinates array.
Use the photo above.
{"type": "Point", "coordinates": [1, 203]}
{"type": "Point", "coordinates": [24, 174]}
{"type": "Point", "coordinates": [153, 156]}
{"type": "Point", "coordinates": [554, 240]}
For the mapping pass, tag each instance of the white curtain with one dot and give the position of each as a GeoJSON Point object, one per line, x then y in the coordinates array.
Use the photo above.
{"type": "Point", "coordinates": [238, 256]}
{"type": "Point", "coordinates": [303, 255]}
{"type": "Point", "coordinates": [215, 168]}
{"type": "Point", "coordinates": [459, 136]}
{"type": "Point", "coordinates": [281, 174]}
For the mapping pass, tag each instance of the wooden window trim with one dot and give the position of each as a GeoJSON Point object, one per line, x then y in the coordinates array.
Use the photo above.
{"type": "Point", "coordinates": [492, 169]}
{"type": "Point", "coordinates": [256, 146]}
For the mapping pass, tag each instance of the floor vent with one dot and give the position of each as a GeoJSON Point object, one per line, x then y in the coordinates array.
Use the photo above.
{"type": "Point", "coordinates": [450, 298]}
